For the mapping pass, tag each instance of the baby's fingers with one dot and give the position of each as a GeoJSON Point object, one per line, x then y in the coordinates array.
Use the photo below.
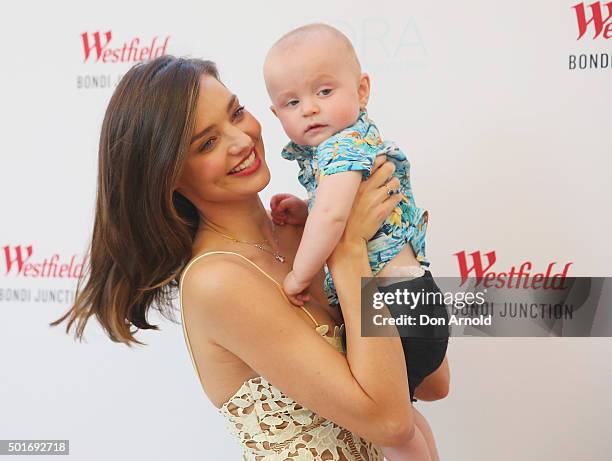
{"type": "Point", "coordinates": [285, 205]}
{"type": "Point", "coordinates": [295, 300]}
{"type": "Point", "coordinates": [303, 297]}
{"type": "Point", "coordinates": [300, 299]}
{"type": "Point", "coordinates": [276, 199]}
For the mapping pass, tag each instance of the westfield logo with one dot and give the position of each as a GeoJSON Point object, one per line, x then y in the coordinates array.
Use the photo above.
{"type": "Point", "coordinates": [19, 261]}
{"type": "Point", "coordinates": [482, 271]}
{"type": "Point", "coordinates": [97, 47]}
{"type": "Point", "coordinates": [596, 17]}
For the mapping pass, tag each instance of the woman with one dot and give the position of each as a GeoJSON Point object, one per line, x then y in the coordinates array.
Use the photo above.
{"type": "Point", "coordinates": [180, 167]}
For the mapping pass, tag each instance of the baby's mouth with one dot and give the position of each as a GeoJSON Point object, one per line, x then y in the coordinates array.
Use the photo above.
{"type": "Point", "coordinates": [314, 127]}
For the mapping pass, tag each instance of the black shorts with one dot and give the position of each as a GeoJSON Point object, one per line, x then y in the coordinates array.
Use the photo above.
{"type": "Point", "coordinates": [424, 345]}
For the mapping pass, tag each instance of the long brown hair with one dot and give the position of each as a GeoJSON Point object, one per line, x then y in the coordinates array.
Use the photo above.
{"type": "Point", "coordinates": [143, 230]}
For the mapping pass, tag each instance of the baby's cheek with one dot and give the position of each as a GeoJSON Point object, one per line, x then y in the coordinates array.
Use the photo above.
{"type": "Point", "coordinates": [350, 114]}
{"type": "Point", "coordinates": [289, 126]}
{"type": "Point", "coordinates": [293, 131]}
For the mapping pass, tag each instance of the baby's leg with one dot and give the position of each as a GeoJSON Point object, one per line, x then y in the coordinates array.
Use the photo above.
{"type": "Point", "coordinates": [415, 449]}
{"type": "Point", "coordinates": [423, 425]}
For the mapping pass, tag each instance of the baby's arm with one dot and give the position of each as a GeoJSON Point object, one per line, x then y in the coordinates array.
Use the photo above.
{"type": "Point", "coordinates": [324, 227]}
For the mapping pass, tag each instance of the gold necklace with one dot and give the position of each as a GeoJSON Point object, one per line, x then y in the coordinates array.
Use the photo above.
{"type": "Point", "coordinates": [259, 245]}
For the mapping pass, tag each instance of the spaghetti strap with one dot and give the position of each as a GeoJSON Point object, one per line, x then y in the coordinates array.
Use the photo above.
{"type": "Point", "coordinates": [272, 279]}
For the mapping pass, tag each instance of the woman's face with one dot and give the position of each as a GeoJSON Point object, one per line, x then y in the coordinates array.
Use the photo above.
{"type": "Point", "coordinates": [225, 161]}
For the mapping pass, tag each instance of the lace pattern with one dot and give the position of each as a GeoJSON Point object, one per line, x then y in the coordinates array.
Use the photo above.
{"type": "Point", "coordinates": [272, 427]}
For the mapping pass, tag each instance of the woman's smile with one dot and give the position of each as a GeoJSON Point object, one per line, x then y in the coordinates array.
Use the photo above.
{"type": "Point", "coordinates": [248, 166]}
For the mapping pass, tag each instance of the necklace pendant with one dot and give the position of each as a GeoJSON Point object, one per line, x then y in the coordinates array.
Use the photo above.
{"type": "Point", "coordinates": [279, 258]}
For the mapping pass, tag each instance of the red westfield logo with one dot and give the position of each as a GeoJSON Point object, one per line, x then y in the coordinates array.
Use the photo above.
{"type": "Point", "coordinates": [97, 46]}
{"type": "Point", "coordinates": [513, 277]}
{"type": "Point", "coordinates": [18, 260]}
{"type": "Point", "coordinates": [596, 15]}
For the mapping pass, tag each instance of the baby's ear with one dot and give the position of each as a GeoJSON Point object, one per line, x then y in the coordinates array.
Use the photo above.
{"type": "Point", "coordinates": [273, 109]}
{"type": "Point", "coordinates": [364, 90]}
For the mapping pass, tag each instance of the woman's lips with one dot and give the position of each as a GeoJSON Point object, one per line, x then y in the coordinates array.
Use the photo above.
{"type": "Point", "coordinates": [251, 168]}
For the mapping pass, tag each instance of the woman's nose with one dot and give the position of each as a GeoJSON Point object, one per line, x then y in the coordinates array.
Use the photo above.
{"type": "Point", "coordinates": [241, 143]}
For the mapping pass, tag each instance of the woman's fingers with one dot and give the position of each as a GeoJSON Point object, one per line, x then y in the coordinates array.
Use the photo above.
{"type": "Point", "coordinates": [383, 190]}
{"type": "Point", "coordinates": [389, 200]}
{"type": "Point", "coordinates": [375, 189]}
{"type": "Point", "coordinates": [391, 203]}
{"type": "Point", "coordinates": [373, 202]}
{"type": "Point", "coordinates": [380, 176]}
{"type": "Point", "coordinates": [378, 162]}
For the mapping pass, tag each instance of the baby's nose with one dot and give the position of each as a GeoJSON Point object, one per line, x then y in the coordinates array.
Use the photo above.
{"type": "Point", "coordinates": [309, 108]}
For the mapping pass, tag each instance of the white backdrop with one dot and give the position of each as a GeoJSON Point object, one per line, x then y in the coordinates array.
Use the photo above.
{"type": "Point", "coordinates": [510, 151]}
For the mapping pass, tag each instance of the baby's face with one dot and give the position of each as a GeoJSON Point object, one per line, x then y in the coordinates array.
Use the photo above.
{"type": "Point", "coordinates": [314, 91]}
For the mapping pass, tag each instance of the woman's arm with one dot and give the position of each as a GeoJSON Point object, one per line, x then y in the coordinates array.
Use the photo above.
{"type": "Point", "coordinates": [365, 391]}
{"type": "Point", "coordinates": [348, 264]}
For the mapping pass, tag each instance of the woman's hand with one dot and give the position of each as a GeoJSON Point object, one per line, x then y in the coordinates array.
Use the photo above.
{"type": "Point", "coordinates": [373, 203]}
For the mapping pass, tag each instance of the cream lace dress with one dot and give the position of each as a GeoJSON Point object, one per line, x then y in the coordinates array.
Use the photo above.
{"type": "Point", "coordinates": [272, 427]}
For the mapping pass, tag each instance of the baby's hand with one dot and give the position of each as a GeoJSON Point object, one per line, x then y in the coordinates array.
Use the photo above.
{"type": "Point", "coordinates": [288, 209]}
{"type": "Point", "coordinates": [295, 290]}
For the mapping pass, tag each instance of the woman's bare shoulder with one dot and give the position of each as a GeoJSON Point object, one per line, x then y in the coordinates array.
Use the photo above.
{"type": "Point", "coordinates": [211, 273]}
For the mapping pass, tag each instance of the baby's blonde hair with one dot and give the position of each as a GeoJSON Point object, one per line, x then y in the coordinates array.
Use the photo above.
{"type": "Point", "coordinates": [297, 36]}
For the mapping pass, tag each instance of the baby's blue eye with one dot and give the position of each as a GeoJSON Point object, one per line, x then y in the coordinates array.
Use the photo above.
{"type": "Point", "coordinates": [292, 102]}
{"type": "Point", "coordinates": [325, 91]}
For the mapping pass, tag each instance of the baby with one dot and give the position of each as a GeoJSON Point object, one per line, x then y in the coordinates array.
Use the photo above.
{"type": "Point", "coordinates": [320, 95]}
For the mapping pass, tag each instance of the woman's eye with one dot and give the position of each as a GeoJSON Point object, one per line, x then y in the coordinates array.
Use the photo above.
{"type": "Point", "coordinates": [325, 91]}
{"type": "Point", "coordinates": [239, 112]}
{"type": "Point", "coordinates": [208, 144]}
